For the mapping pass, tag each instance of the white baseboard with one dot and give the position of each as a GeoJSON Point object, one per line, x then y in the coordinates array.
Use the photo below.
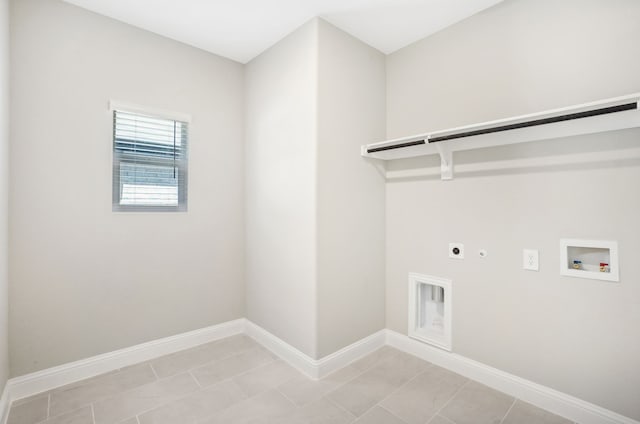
{"type": "Point", "coordinates": [567, 406]}
{"type": "Point", "coordinates": [41, 381]}
{"type": "Point", "coordinates": [315, 368]}
{"type": "Point", "coordinates": [560, 403]}
{"type": "Point", "coordinates": [347, 355]}
{"type": "Point", "coordinates": [293, 356]}
{"type": "Point", "coordinates": [4, 404]}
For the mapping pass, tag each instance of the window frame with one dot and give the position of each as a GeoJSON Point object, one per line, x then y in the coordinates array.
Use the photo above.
{"type": "Point", "coordinates": [181, 166]}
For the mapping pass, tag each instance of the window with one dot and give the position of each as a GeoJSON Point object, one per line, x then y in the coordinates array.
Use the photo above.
{"type": "Point", "coordinates": [149, 162]}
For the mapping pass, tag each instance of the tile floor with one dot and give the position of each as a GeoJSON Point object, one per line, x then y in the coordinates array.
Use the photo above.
{"type": "Point", "coordinates": [235, 380]}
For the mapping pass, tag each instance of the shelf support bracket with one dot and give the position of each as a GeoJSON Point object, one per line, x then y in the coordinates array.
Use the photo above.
{"type": "Point", "coordinates": [446, 161]}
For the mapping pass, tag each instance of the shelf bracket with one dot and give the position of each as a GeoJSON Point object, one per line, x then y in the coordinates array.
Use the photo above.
{"type": "Point", "coordinates": [446, 161]}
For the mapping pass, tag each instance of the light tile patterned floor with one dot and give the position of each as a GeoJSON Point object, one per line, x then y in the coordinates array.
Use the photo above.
{"type": "Point", "coordinates": [235, 380]}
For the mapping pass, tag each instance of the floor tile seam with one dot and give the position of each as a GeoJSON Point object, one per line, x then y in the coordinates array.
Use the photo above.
{"type": "Point", "coordinates": [201, 364]}
{"type": "Point", "coordinates": [153, 370]}
{"type": "Point", "coordinates": [101, 398]}
{"type": "Point", "coordinates": [360, 373]}
{"type": "Point", "coordinates": [211, 362]}
{"type": "Point", "coordinates": [263, 365]}
{"type": "Point", "coordinates": [429, 366]}
{"type": "Point", "coordinates": [277, 389]}
{"type": "Point", "coordinates": [140, 413]}
{"type": "Point", "coordinates": [453, 396]}
{"type": "Point", "coordinates": [163, 404]}
{"type": "Point", "coordinates": [94, 401]}
{"type": "Point", "coordinates": [202, 389]}
{"type": "Point", "coordinates": [31, 398]}
{"type": "Point", "coordinates": [158, 379]}
{"type": "Point", "coordinates": [207, 417]}
{"type": "Point", "coordinates": [509, 410]}
{"type": "Point", "coordinates": [441, 416]}
{"type": "Point", "coordinates": [67, 412]}
{"type": "Point", "coordinates": [382, 407]}
{"type": "Point", "coordinates": [229, 378]}
{"type": "Point", "coordinates": [37, 422]}
{"type": "Point", "coordinates": [193, 377]}
{"type": "Point", "coordinates": [394, 391]}
{"type": "Point", "coordinates": [377, 363]}
{"type": "Point", "coordinates": [334, 403]}
{"type": "Point", "coordinates": [144, 385]}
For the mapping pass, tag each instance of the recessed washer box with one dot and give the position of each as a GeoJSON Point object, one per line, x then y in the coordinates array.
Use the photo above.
{"type": "Point", "coordinates": [593, 259]}
{"type": "Point", "coordinates": [430, 310]}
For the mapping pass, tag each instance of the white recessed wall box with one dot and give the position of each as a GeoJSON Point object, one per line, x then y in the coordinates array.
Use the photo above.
{"type": "Point", "coordinates": [587, 118]}
{"type": "Point", "coordinates": [430, 310]}
{"type": "Point", "coordinates": [594, 259]}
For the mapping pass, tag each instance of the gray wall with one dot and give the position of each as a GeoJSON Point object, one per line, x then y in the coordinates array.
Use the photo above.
{"type": "Point", "coordinates": [575, 335]}
{"type": "Point", "coordinates": [4, 186]}
{"type": "Point", "coordinates": [85, 280]}
{"type": "Point", "coordinates": [315, 251]}
{"type": "Point", "coordinates": [281, 99]}
{"type": "Point", "coordinates": [350, 191]}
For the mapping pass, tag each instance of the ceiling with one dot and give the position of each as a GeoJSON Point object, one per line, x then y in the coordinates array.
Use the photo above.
{"type": "Point", "coordinates": [242, 29]}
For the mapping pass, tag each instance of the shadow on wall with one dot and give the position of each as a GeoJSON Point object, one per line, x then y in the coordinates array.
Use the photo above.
{"type": "Point", "coordinates": [591, 152]}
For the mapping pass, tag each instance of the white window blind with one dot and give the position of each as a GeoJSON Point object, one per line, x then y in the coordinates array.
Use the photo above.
{"type": "Point", "coordinates": [149, 163]}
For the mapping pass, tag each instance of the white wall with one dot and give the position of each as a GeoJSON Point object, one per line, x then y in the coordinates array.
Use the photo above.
{"type": "Point", "coordinates": [350, 205]}
{"type": "Point", "coordinates": [86, 280]}
{"type": "Point", "coordinates": [281, 97]}
{"type": "Point", "coordinates": [577, 336]}
{"type": "Point", "coordinates": [4, 185]}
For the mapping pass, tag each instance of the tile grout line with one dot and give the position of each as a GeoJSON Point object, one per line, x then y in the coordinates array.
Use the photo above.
{"type": "Point", "coordinates": [222, 358]}
{"type": "Point", "coordinates": [375, 364]}
{"type": "Point", "coordinates": [360, 373]}
{"type": "Point", "coordinates": [391, 413]}
{"type": "Point", "coordinates": [103, 397]}
{"type": "Point", "coordinates": [394, 391]}
{"type": "Point", "coordinates": [337, 405]}
{"type": "Point", "coordinates": [241, 400]}
{"type": "Point", "coordinates": [39, 422]}
{"type": "Point", "coordinates": [201, 389]}
{"type": "Point", "coordinates": [189, 370]}
{"type": "Point", "coordinates": [440, 416]}
{"type": "Point", "coordinates": [153, 370]}
{"type": "Point", "coordinates": [260, 366]}
{"type": "Point", "coordinates": [451, 399]}
{"type": "Point", "coordinates": [93, 414]}
{"type": "Point", "coordinates": [325, 395]}
{"type": "Point", "coordinates": [284, 395]}
{"type": "Point", "coordinates": [509, 410]}
{"type": "Point", "coordinates": [203, 364]}
{"type": "Point", "coordinates": [163, 404]}
{"type": "Point", "coordinates": [148, 384]}
{"type": "Point", "coordinates": [195, 379]}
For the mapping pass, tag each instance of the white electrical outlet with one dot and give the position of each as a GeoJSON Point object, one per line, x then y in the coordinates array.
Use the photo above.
{"type": "Point", "coordinates": [530, 259]}
{"type": "Point", "coordinates": [456, 250]}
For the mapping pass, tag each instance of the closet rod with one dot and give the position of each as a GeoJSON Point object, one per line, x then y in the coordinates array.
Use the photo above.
{"type": "Point", "coordinates": [396, 146]}
{"type": "Point", "coordinates": [551, 120]}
